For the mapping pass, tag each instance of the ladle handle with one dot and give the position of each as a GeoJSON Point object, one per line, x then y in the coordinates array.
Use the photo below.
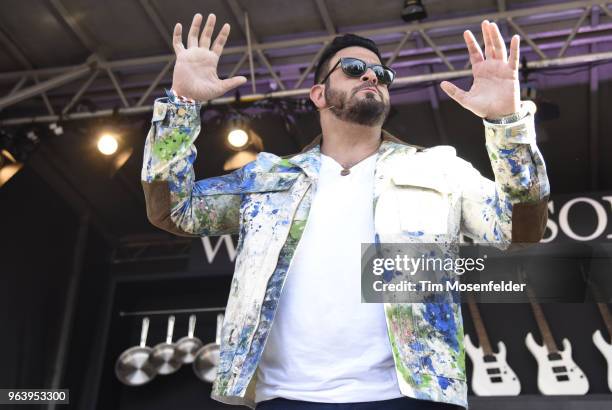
{"type": "Point", "coordinates": [170, 329]}
{"type": "Point", "coordinates": [144, 331]}
{"type": "Point", "coordinates": [192, 323]}
{"type": "Point", "coordinates": [219, 326]}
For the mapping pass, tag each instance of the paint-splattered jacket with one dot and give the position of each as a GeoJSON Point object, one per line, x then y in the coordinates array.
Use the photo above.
{"type": "Point", "coordinates": [267, 203]}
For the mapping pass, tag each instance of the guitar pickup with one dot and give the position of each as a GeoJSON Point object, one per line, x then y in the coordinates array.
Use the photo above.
{"type": "Point", "coordinates": [489, 358]}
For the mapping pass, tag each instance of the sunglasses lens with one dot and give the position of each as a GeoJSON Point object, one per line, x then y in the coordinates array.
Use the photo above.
{"type": "Point", "coordinates": [380, 74]}
{"type": "Point", "coordinates": [353, 67]}
{"type": "Point", "coordinates": [387, 76]}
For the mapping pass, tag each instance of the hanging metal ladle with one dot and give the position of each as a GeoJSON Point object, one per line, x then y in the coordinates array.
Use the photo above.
{"type": "Point", "coordinates": [133, 367]}
{"type": "Point", "coordinates": [207, 357]}
{"type": "Point", "coordinates": [163, 357]}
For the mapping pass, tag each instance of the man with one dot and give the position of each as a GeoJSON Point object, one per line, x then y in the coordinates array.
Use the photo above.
{"type": "Point", "coordinates": [354, 183]}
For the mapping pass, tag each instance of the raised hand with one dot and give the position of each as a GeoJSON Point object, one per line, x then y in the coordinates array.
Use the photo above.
{"type": "Point", "coordinates": [495, 91]}
{"type": "Point", "coordinates": [195, 71]}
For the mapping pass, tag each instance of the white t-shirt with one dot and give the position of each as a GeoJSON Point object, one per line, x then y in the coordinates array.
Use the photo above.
{"type": "Point", "coordinates": [325, 345]}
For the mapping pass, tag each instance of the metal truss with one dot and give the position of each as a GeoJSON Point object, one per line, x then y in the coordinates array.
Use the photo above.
{"type": "Point", "coordinates": [421, 52]}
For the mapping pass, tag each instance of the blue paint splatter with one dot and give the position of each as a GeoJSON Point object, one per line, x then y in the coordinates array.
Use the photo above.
{"type": "Point", "coordinates": [255, 210]}
{"type": "Point", "coordinates": [515, 167]}
{"type": "Point", "coordinates": [441, 317]}
{"type": "Point", "coordinates": [388, 275]}
{"type": "Point", "coordinates": [428, 363]}
{"type": "Point", "coordinates": [443, 382]}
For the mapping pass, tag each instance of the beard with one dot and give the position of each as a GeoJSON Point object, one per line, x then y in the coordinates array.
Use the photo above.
{"type": "Point", "coordinates": [368, 111]}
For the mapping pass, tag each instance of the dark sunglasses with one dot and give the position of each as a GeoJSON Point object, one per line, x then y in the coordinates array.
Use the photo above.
{"type": "Point", "coordinates": [354, 67]}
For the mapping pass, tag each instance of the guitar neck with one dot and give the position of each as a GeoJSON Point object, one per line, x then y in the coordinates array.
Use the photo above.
{"type": "Point", "coordinates": [481, 331]}
{"type": "Point", "coordinates": [607, 318]}
{"type": "Point", "coordinates": [547, 336]}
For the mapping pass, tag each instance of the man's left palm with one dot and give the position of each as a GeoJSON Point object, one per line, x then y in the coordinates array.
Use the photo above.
{"type": "Point", "coordinates": [495, 91]}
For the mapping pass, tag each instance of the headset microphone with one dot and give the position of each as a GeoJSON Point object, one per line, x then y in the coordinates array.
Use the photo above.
{"type": "Point", "coordinates": [327, 108]}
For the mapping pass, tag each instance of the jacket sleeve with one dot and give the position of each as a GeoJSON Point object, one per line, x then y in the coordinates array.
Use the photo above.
{"type": "Point", "coordinates": [175, 201]}
{"type": "Point", "coordinates": [512, 209]}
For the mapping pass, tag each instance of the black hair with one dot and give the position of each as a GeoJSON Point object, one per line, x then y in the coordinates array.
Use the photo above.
{"type": "Point", "coordinates": [340, 42]}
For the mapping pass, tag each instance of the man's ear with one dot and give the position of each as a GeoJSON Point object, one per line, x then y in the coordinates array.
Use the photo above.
{"type": "Point", "coordinates": [317, 96]}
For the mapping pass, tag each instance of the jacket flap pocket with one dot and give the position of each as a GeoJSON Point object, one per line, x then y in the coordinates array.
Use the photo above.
{"type": "Point", "coordinates": [423, 201]}
{"type": "Point", "coordinates": [235, 183]}
{"type": "Point", "coordinates": [422, 180]}
{"type": "Point", "coordinates": [268, 181]}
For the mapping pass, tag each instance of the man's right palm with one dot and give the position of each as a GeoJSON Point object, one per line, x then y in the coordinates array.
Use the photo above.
{"type": "Point", "coordinates": [195, 71]}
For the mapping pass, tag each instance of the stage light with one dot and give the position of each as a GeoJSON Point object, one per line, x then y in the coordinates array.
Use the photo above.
{"type": "Point", "coordinates": [9, 166]}
{"type": "Point", "coordinates": [107, 144]}
{"type": "Point", "coordinates": [241, 138]}
{"type": "Point", "coordinates": [57, 129]}
{"type": "Point", "coordinates": [238, 138]}
{"type": "Point", "coordinates": [413, 11]}
{"type": "Point", "coordinates": [239, 159]}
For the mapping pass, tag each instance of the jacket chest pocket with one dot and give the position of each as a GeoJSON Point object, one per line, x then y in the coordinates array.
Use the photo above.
{"type": "Point", "coordinates": [424, 203]}
{"type": "Point", "coordinates": [266, 197]}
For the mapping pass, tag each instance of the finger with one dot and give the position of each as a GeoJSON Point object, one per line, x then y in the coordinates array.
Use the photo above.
{"type": "Point", "coordinates": [454, 92]}
{"type": "Point", "coordinates": [489, 49]}
{"type": "Point", "coordinates": [177, 38]}
{"type": "Point", "coordinates": [498, 41]}
{"type": "Point", "coordinates": [513, 60]}
{"type": "Point", "coordinates": [473, 47]}
{"type": "Point", "coordinates": [208, 31]}
{"type": "Point", "coordinates": [219, 43]}
{"type": "Point", "coordinates": [234, 82]}
{"type": "Point", "coordinates": [194, 30]}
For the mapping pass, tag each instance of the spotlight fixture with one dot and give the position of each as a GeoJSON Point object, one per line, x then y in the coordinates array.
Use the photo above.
{"type": "Point", "coordinates": [57, 129]}
{"type": "Point", "coordinates": [8, 166]}
{"type": "Point", "coordinates": [241, 136]}
{"type": "Point", "coordinates": [243, 139]}
{"type": "Point", "coordinates": [237, 138]}
{"type": "Point", "coordinates": [239, 159]}
{"type": "Point", "coordinates": [413, 11]}
{"type": "Point", "coordinates": [14, 151]}
{"type": "Point", "coordinates": [107, 144]}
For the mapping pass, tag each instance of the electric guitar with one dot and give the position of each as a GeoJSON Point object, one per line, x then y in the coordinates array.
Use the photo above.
{"type": "Point", "coordinates": [557, 372]}
{"type": "Point", "coordinates": [604, 346]}
{"type": "Point", "coordinates": [491, 376]}
{"type": "Point", "coordinates": [598, 338]}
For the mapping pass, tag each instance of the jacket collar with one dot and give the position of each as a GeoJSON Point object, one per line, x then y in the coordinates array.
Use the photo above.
{"type": "Point", "coordinates": [309, 159]}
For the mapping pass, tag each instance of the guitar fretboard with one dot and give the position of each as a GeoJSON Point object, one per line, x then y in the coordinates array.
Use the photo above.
{"type": "Point", "coordinates": [607, 318]}
{"type": "Point", "coordinates": [481, 331]}
{"type": "Point", "coordinates": [547, 336]}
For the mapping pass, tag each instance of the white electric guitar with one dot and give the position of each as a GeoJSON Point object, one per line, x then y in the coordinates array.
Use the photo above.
{"type": "Point", "coordinates": [598, 338]}
{"type": "Point", "coordinates": [601, 343]}
{"type": "Point", "coordinates": [491, 375]}
{"type": "Point", "coordinates": [557, 372]}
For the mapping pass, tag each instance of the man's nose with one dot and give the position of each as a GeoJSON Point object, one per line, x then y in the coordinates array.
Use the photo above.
{"type": "Point", "coordinates": [369, 75]}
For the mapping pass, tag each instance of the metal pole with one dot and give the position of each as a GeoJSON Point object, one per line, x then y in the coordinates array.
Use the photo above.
{"type": "Point", "coordinates": [171, 311]}
{"type": "Point", "coordinates": [71, 300]}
